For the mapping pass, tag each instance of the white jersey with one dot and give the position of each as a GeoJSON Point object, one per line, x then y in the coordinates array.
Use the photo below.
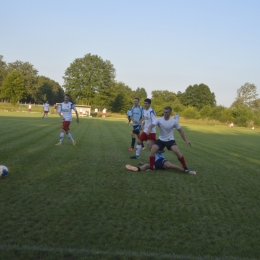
{"type": "Point", "coordinates": [149, 118]}
{"type": "Point", "coordinates": [65, 109]}
{"type": "Point", "coordinates": [46, 107]}
{"type": "Point", "coordinates": [166, 128]}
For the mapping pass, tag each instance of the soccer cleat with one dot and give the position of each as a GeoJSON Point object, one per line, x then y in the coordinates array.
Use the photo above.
{"type": "Point", "coordinates": [192, 172]}
{"type": "Point", "coordinates": [74, 143]}
{"type": "Point", "coordinates": [134, 157]}
{"type": "Point", "coordinates": [131, 168]}
{"type": "Point", "coordinates": [186, 169]}
{"type": "Point", "coordinates": [130, 149]}
{"type": "Point", "coordinates": [143, 148]}
{"type": "Point", "coordinates": [59, 143]}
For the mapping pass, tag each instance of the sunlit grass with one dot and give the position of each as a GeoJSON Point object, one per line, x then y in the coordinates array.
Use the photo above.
{"type": "Point", "coordinates": [82, 198]}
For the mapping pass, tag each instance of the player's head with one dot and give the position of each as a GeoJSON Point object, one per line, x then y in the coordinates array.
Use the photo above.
{"type": "Point", "coordinates": [66, 98]}
{"type": "Point", "coordinates": [136, 101]}
{"type": "Point", "coordinates": [147, 103]}
{"type": "Point", "coordinates": [167, 112]}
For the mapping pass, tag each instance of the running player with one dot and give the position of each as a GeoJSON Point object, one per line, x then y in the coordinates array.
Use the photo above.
{"type": "Point", "coordinates": [65, 112]}
{"type": "Point", "coordinates": [149, 118]}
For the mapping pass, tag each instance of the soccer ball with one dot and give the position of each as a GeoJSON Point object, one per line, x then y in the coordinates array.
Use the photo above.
{"type": "Point", "coordinates": [3, 171]}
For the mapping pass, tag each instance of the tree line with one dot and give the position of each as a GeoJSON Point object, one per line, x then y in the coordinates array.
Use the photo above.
{"type": "Point", "coordinates": [91, 80]}
{"type": "Point", "coordinates": [20, 82]}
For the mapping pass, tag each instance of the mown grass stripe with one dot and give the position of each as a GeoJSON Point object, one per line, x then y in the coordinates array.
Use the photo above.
{"type": "Point", "coordinates": [86, 251]}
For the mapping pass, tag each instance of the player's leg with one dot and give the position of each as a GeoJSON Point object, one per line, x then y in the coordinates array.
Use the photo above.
{"type": "Point", "coordinates": [168, 165]}
{"type": "Point", "coordinates": [132, 142]}
{"type": "Point", "coordinates": [180, 157]}
{"type": "Point", "coordinates": [61, 136]}
{"type": "Point", "coordinates": [154, 149]}
{"type": "Point", "coordinates": [137, 169]}
{"type": "Point", "coordinates": [141, 137]}
{"type": "Point", "coordinates": [69, 134]}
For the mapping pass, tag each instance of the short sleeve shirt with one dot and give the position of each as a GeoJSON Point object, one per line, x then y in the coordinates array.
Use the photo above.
{"type": "Point", "coordinates": [149, 118]}
{"type": "Point", "coordinates": [65, 109]}
{"type": "Point", "coordinates": [166, 128]}
{"type": "Point", "coordinates": [137, 114]}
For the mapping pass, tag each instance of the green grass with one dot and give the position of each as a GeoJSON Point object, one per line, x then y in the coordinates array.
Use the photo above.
{"type": "Point", "coordinates": [79, 202]}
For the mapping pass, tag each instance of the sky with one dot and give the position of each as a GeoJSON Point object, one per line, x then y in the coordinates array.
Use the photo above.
{"type": "Point", "coordinates": [152, 44]}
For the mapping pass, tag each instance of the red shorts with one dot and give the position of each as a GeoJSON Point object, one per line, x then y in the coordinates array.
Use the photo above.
{"type": "Point", "coordinates": [46, 112]}
{"type": "Point", "coordinates": [145, 137]}
{"type": "Point", "coordinates": [65, 125]}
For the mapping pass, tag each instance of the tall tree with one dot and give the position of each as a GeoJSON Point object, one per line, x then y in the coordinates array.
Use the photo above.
{"type": "Point", "coordinates": [13, 87]}
{"type": "Point", "coordinates": [28, 74]}
{"type": "Point", "coordinates": [121, 98]}
{"type": "Point", "coordinates": [246, 97]}
{"type": "Point", "coordinates": [141, 93]}
{"type": "Point", "coordinates": [48, 89]}
{"type": "Point", "coordinates": [162, 98]}
{"type": "Point", "coordinates": [89, 76]}
{"type": "Point", "coordinates": [198, 96]}
{"type": "Point", "coordinates": [3, 70]}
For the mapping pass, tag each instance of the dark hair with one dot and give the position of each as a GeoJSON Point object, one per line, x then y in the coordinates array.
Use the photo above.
{"type": "Point", "coordinates": [148, 100]}
{"type": "Point", "coordinates": [168, 108]}
{"type": "Point", "coordinates": [136, 98]}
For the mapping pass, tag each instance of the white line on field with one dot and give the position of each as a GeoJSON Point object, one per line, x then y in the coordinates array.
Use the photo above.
{"type": "Point", "coordinates": [117, 253]}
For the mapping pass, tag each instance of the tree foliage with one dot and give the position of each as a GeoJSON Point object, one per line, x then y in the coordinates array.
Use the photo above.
{"type": "Point", "coordinates": [89, 76]}
{"type": "Point", "coordinates": [3, 70]}
{"type": "Point", "coordinates": [13, 87]}
{"type": "Point", "coordinates": [197, 96]}
{"type": "Point", "coordinates": [29, 75]}
{"type": "Point", "coordinates": [247, 97]}
{"type": "Point", "coordinates": [47, 89]}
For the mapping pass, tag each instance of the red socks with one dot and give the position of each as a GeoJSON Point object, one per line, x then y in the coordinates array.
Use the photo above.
{"type": "Point", "coordinates": [152, 160]}
{"type": "Point", "coordinates": [182, 161]}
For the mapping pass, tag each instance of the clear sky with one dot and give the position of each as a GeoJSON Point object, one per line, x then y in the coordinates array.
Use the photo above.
{"type": "Point", "coordinates": [153, 44]}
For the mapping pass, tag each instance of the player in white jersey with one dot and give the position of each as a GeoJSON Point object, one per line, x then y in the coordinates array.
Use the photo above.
{"type": "Point", "coordinates": [46, 108]}
{"type": "Point", "coordinates": [149, 118]}
{"type": "Point", "coordinates": [65, 113]}
{"type": "Point", "coordinates": [166, 125]}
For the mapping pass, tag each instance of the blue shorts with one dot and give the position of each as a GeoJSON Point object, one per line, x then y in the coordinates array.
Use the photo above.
{"type": "Point", "coordinates": [136, 129]}
{"type": "Point", "coordinates": [161, 144]}
{"type": "Point", "coordinates": [159, 163]}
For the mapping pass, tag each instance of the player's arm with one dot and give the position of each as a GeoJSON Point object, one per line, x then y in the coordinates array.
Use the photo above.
{"type": "Point", "coordinates": [150, 128]}
{"type": "Point", "coordinates": [76, 112]}
{"type": "Point", "coordinates": [184, 136]}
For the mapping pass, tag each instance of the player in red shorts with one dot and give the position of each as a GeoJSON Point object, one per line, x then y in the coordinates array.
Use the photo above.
{"type": "Point", "coordinates": [149, 118]}
{"type": "Point", "coordinates": [46, 108]}
{"type": "Point", "coordinates": [64, 112]}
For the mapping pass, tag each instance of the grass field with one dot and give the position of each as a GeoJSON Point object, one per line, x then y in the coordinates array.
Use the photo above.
{"type": "Point", "coordinates": [79, 202]}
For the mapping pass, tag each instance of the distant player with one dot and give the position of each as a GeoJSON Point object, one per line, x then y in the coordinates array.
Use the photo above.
{"type": "Point", "coordinates": [129, 115]}
{"type": "Point", "coordinates": [166, 125]}
{"type": "Point", "coordinates": [104, 112]}
{"type": "Point", "coordinates": [149, 118]}
{"type": "Point", "coordinates": [65, 112]}
{"type": "Point", "coordinates": [46, 108]}
{"type": "Point", "coordinates": [176, 117]}
{"type": "Point", "coordinates": [136, 115]}
{"type": "Point", "coordinates": [30, 108]}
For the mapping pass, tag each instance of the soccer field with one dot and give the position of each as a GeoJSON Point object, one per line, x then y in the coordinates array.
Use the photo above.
{"type": "Point", "coordinates": [79, 202]}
